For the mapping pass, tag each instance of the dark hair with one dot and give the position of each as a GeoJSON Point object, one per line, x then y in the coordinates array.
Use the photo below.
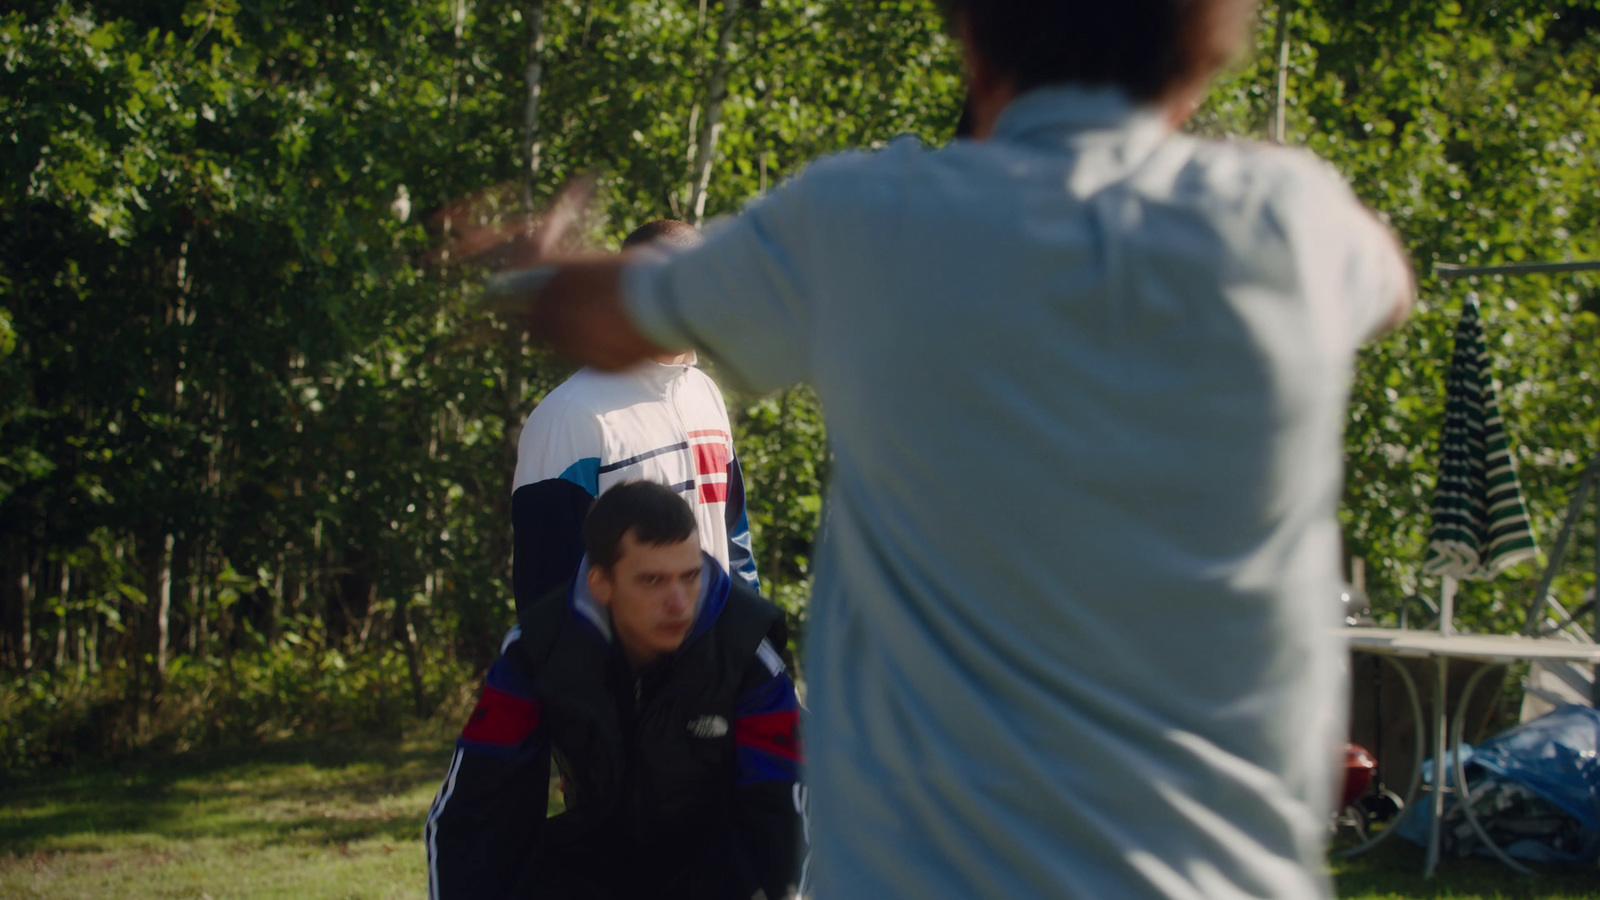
{"type": "Point", "coordinates": [653, 512]}
{"type": "Point", "coordinates": [1144, 47]}
{"type": "Point", "coordinates": [965, 125]}
{"type": "Point", "coordinates": [672, 232]}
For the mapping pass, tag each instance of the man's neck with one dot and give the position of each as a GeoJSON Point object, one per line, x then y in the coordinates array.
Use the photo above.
{"type": "Point", "coordinates": [638, 659]}
{"type": "Point", "coordinates": [1176, 107]}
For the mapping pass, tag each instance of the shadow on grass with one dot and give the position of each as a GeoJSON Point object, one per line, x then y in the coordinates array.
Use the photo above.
{"type": "Point", "coordinates": [1394, 869]}
{"type": "Point", "coordinates": [324, 791]}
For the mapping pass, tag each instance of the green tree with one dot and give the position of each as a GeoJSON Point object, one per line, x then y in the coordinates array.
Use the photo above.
{"type": "Point", "coordinates": [255, 447]}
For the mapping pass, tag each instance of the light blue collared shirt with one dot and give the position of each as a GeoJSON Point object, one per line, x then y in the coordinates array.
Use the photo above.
{"type": "Point", "coordinates": [1085, 385]}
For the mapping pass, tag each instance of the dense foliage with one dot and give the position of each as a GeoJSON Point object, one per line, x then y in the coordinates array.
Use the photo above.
{"type": "Point", "coordinates": [254, 448]}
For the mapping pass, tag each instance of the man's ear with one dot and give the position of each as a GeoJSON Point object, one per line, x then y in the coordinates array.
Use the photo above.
{"type": "Point", "coordinates": [600, 585]}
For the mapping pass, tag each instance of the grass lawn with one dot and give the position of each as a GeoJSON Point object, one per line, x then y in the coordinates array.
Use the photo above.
{"type": "Point", "coordinates": [343, 819]}
{"type": "Point", "coordinates": [1394, 872]}
{"type": "Point", "coordinates": [293, 819]}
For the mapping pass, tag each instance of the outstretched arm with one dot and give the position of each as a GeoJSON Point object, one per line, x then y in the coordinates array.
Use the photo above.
{"type": "Point", "coordinates": [744, 297]}
{"type": "Point", "coordinates": [580, 312]}
{"type": "Point", "coordinates": [572, 301]}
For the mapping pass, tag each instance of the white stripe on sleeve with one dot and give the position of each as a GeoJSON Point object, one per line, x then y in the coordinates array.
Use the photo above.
{"type": "Point", "coordinates": [431, 830]}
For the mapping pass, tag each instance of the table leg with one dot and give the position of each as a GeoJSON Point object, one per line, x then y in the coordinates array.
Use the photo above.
{"type": "Point", "coordinates": [1463, 796]}
{"type": "Point", "coordinates": [1441, 681]}
{"type": "Point", "coordinates": [1420, 727]}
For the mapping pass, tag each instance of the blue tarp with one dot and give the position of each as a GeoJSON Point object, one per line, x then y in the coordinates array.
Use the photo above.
{"type": "Point", "coordinates": [1555, 758]}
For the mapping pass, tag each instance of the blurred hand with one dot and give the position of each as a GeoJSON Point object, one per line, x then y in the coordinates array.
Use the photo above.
{"type": "Point", "coordinates": [579, 311]}
{"type": "Point", "coordinates": [476, 234]}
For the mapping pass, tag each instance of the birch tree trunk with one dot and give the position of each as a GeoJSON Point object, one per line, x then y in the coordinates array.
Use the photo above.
{"type": "Point", "coordinates": [1280, 101]}
{"type": "Point", "coordinates": [25, 601]}
{"type": "Point", "coordinates": [460, 16]}
{"type": "Point", "coordinates": [513, 342]}
{"type": "Point", "coordinates": [93, 644]}
{"type": "Point", "coordinates": [61, 617]}
{"type": "Point", "coordinates": [197, 618]}
{"type": "Point", "coordinates": [533, 77]}
{"type": "Point", "coordinates": [711, 125]}
{"type": "Point", "coordinates": [163, 612]}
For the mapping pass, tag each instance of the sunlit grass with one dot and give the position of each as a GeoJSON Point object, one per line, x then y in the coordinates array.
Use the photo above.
{"type": "Point", "coordinates": [1393, 871]}
{"type": "Point", "coordinates": [286, 820]}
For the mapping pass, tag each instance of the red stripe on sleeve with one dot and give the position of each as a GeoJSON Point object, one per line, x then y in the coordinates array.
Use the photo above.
{"type": "Point", "coordinates": [710, 432]}
{"type": "Point", "coordinates": [775, 733]}
{"type": "Point", "coordinates": [501, 719]}
{"type": "Point", "coordinates": [716, 492]}
{"type": "Point", "coordinates": [711, 459]}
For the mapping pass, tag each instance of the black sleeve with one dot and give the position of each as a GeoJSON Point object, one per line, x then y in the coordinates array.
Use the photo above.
{"type": "Point", "coordinates": [547, 537]}
{"type": "Point", "coordinates": [770, 803]}
{"type": "Point", "coordinates": [485, 823]}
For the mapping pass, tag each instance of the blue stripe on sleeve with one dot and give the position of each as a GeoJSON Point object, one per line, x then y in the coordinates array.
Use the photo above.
{"type": "Point", "coordinates": [756, 767]}
{"type": "Point", "coordinates": [741, 552]}
{"type": "Point", "coordinates": [632, 460]}
{"type": "Point", "coordinates": [585, 473]}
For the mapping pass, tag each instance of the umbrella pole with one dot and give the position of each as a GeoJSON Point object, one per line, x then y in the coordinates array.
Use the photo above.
{"type": "Point", "coordinates": [1447, 605]}
{"type": "Point", "coordinates": [1594, 686]}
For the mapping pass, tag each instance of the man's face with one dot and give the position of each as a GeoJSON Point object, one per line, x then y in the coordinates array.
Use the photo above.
{"type": "Point", "coordinates": [652, 593]}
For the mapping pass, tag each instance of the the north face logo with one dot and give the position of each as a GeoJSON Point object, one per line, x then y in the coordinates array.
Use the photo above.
{"type": "Point", "coordinates": [708, 726]}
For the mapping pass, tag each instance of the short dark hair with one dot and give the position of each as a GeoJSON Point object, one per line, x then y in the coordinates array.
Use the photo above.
{"type": "Point", "coordinates": [672, 232]}
{"type": "Point", "coordinates": [1144, 47]}
{"type": "Point", "coordinates": [653, 512]}
{"type": "Point", "coordinates": [964, 125]}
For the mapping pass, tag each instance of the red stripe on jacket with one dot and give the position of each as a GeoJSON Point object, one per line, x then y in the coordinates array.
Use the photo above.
{"type": "Point", "coordinates": [775, 733]}
{"type": "Point", "coordinates": [711, 459]}
{"type": "Point", "coordinates": [501, 719]}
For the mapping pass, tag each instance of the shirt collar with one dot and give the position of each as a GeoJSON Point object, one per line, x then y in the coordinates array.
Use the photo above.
{"type": "Point", "coordinates": [652, 375]}
{"type": "Point", "coordinates": [1060, 114]}
{"type": "Point", "coordinates": [660, 371]}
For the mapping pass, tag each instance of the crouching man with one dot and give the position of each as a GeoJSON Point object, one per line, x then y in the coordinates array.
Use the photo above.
{"type": "Point", "coordinates": [656, 684]}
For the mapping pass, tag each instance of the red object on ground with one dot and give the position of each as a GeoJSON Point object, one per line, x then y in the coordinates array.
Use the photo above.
{"type": "Point", "coordinates": [1359, 767]}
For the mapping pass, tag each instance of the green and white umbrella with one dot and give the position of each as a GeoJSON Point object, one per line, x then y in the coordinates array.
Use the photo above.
{"type": "Point", "coordinates": [1480, 525]}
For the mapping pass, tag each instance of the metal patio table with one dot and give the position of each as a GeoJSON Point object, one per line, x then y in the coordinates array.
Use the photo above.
{"type": "Point", "coordinates": [1495, 649]}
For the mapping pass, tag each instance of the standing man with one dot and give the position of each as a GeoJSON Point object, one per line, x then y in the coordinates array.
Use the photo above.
{"type": "Point", "coordinates": [1073, 629]}
{"type": "Point", "coordinates": [659, 420]}
{"type": "Point", "coordinates": [658, 685]}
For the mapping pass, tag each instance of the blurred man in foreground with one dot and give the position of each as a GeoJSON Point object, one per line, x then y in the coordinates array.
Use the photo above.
{"type": "Point", "coordinates": [661, 419]}
{"type": "Point", "coordinates": [1073, 629]}
{"type": "Point", "coordinates": [657, 684]}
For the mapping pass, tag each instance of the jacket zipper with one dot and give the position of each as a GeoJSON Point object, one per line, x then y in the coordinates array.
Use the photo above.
{"type": "Point", "coordinates": [634, 759]}
{"type": "Point", "coordinates": [673, 390]}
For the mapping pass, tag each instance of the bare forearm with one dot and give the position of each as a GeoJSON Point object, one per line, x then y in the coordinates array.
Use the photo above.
{"type": "Point", "coordinates": [581, 313]}
{"type": "Point", "coordinates": [579, 310]}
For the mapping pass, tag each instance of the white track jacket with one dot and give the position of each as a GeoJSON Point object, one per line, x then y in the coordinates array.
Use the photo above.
{"type": "Point", "coordinates": [655, 422]}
